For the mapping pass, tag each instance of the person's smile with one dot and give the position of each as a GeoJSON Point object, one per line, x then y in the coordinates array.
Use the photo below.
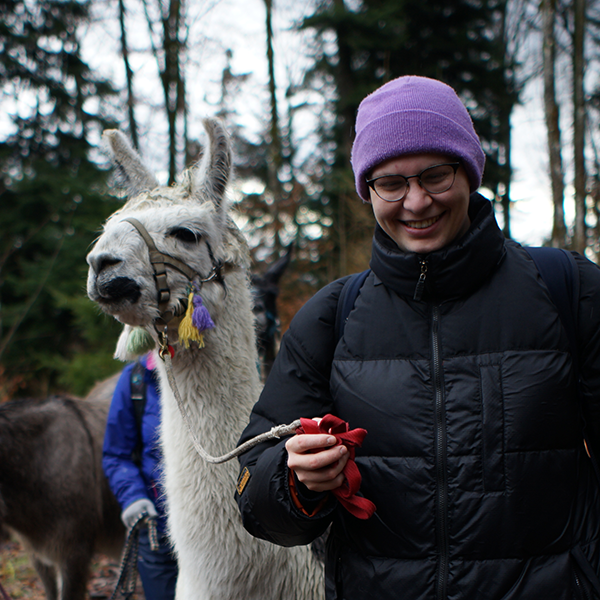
{"type": "Point", "coordinates": [424, 223]}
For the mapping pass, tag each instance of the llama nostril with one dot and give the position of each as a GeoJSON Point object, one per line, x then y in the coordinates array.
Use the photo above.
{"type": "Point", "coordinates": [102, 261]}
{"type": "Point", "coordinates": [119, 289]}
{"type": "Point", "coordinates": [109, 262]}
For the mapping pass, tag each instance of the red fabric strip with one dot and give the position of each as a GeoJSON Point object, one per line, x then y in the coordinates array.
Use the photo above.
{"type": "Point", "coordinates": [358, 506]}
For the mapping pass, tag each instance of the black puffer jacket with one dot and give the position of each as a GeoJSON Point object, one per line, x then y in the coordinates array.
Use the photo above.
{"type": "Point", "coordinates": [474, 455]}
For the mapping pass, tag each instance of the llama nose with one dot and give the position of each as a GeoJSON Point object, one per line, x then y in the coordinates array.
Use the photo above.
{"type": "Point", "coordinates": [101, 261]}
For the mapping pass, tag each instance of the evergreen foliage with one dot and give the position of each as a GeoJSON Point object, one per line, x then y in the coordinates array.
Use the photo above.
{"type": "Point", "coordinates": [52, 202]}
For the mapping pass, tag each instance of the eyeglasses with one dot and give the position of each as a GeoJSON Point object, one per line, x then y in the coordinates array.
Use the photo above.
{"type": "Point", "coordinates": [434, 180]}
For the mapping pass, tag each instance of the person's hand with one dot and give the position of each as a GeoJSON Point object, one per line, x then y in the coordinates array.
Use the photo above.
{"type": "Point", "coordinates": [131, 514]}
{"type": "Point", "coordinates": [317, 463]}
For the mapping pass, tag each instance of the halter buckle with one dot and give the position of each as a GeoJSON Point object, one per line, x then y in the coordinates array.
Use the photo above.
{"type": "Point", "coordinates": [163, 343]}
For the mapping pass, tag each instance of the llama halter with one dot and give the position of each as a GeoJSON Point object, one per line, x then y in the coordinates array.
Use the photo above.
{"type": "Point", "coordinates": [196, 317]}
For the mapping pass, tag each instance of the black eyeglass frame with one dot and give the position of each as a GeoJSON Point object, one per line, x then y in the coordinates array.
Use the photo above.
{"type": "Point", "coordinates": [454, 165]}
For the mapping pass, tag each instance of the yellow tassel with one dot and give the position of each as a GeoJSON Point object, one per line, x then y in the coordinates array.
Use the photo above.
{"type": "Point", "coordinates": [187, 332]}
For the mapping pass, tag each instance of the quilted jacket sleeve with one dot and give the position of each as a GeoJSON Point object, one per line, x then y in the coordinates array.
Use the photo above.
{"type": "Point", "coordinates": [120, 438]}
{"type": "Point", "coordinates": [298, 386]}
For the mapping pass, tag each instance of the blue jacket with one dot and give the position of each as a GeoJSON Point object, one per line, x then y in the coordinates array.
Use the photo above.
{"type": "Point", "coordinates": [128, 482]}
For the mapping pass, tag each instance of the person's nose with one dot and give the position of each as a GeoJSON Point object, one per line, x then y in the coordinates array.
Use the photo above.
{"type": "Point", "coordinates": [417, 199]}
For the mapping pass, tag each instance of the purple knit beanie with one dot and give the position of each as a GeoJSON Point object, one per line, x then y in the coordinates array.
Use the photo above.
{"type": "Point", "coordinates": [414, 115]}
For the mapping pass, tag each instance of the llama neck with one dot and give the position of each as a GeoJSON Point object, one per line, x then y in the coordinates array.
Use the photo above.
{"type": "Point", "coordinates": [219, 383]}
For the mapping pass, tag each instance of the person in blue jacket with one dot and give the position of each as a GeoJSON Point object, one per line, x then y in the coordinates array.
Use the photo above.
{"type": "Point", "coordinates": [137, 483]}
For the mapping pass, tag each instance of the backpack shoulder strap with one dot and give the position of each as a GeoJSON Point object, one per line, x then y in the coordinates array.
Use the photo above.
{"type": "Point", "coordinates": [559, 271]}
{"type": "Point", "coordinates": [138, 390]}
{"type": "Point", "coordinates": [346, 301]}
{"type": "Point", "coordinates": [137, 383]}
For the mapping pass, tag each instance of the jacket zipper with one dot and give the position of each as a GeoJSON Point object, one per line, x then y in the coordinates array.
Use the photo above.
{"type": "Point", "coordinates": [580, 587]}
{"type": "Point", "coordinates": [441, 461]}
{"type": "Point", "coordinates": [421, 282]}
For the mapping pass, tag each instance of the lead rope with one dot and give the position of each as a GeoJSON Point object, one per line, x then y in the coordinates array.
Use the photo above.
{"type": "Point", "coordinates": [128, 569]}
{"type": "Point", "coordinates": [4, 593]}
{"type": "Point", "coordinates": [274, 433]}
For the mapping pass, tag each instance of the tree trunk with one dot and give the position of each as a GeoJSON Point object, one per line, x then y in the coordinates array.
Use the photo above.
{"type": "Point", "coordinates": [505, 105]}
{"type": "Point", "coordinates": [579, 126]}
{"type": "Point", "coordinates": [168, 59]}
{"type": "Point", "coordinates": [133, 130]}
{"type": "Point", "coordinates": [171, 79]}
{"type": "Point", "coordinates": [275, 161]}
{"type": "Point", "coordinates": [345, 82]}
{"type": "Point", "coordinates": [275, 146]}
{"type": "Point", "coordinates": [551, 112]}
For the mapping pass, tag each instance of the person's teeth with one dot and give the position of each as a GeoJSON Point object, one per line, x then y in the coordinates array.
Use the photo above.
{"type": "Point", "coordinates": [422, 224]}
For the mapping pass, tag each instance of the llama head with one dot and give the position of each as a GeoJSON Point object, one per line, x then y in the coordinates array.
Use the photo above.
{"type": "Point", "coordinates": [265, 290]}
{"type": "Point", "coordinates": [184, 230]}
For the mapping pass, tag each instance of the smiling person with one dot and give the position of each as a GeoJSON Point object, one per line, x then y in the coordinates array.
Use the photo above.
{"type": "Point", "coordinates": [473, 479]}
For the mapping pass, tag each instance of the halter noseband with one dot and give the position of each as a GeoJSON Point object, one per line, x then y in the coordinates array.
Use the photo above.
{"type": "Point", "coordinates": [159, 260]}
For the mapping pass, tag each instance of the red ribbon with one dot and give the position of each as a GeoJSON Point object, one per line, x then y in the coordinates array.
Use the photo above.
{"type": "Point", "coordinates": [358, 506]}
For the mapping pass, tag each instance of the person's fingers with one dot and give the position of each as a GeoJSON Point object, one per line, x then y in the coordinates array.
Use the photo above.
{"type": "Point", "coordinates": [309, 442]}
{"type": "Point", "coordinates": [326, 473]}
{"type": "Point", "coordinates": [325, 479]}
{"type": "Point", "coordinates": [321, 470]}
{"type": "Point", "coordinates": [313, 459]}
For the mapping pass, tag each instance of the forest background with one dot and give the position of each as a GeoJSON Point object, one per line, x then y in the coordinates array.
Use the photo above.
{"type": "Point", "coordinates": [286, 77]}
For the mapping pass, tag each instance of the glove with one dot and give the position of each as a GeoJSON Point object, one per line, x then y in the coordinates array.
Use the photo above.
{"type": "Point", "coordinates": [131, 514]}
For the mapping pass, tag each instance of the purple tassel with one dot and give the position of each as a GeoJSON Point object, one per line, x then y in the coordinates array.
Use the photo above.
{"type": "Point", "coordinates": [201, 317]}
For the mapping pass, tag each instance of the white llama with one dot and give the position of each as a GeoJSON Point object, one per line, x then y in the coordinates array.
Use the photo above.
{"type": "Point", "coordinates": [219, 383]}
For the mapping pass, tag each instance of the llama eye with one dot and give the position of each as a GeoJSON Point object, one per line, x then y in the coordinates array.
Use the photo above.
{"type": "Point", "coordinates": [185, 235]}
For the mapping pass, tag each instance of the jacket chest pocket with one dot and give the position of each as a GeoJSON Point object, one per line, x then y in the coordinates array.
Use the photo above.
{"type": "Point", "coordinates": [492, 422]}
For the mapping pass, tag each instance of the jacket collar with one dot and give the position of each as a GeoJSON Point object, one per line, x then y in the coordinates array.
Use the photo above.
{"type": "Point", "coordinates": [453, 271]}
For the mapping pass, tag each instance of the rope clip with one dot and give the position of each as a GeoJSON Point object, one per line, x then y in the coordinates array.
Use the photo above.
{"type": "Point", "coordinates": [163, 342]}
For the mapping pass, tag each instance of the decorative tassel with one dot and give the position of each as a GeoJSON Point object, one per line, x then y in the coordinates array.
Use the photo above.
{"type": "Point", "coordinates": [133, 342]}
{"type": "Point", "coordinates": [195, 321]}
{"type": "Point", "coordinates": [201, 317]}
{"type": "Point", "coordinates": [139, 342]}
{"type": "Point", "coordinates": [188, 332]}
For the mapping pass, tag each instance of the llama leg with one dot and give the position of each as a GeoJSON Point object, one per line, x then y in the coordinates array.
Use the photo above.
{"type": "Point", "coordinates": [184, 589]}
{"type": "Point", "coordinates": [48, 576]}
{"type": "Point", "coordinates": [74, 576]}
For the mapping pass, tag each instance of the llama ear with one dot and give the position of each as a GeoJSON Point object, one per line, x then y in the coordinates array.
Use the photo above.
{"type": "Point", "coordinates": [235, 249]}
{"type": "Point", "coordinates": [212, 174]}
{"type": "Point", "coordinates": [275, 271]}
{"type": "Point", "coordinates": [136, 177]}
